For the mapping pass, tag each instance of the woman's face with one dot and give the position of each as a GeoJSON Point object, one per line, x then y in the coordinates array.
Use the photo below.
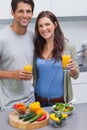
{"type": "Point", "coordinates": [46, 28]}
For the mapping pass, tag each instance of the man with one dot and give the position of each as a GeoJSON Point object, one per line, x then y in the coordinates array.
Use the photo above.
{"type": "Point", "coordinates": [16, 50]}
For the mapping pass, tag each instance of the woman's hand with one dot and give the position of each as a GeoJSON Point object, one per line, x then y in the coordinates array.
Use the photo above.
{"type": "Point", "coordinates": [72, 66]}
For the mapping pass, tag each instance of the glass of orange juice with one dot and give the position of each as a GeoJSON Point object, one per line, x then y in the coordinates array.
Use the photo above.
{"type": "Point", "coordinates": [65, 59]}
{"type": "Point", "coordinates": [28, 68]}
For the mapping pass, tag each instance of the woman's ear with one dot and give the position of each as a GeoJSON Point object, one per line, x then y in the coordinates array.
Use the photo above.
{"type": "Point", "coordinates": [55, 24]}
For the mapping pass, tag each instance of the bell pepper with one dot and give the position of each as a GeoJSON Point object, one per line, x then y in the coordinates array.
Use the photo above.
{"type": "Point", "coordinates": [43, 117]}
{"type": "Point", "coordinates": [54, 118]}
{"type": "Point", "coordinates": [42, 111]}
{"type": "Point", "coordinates": [34, 106]}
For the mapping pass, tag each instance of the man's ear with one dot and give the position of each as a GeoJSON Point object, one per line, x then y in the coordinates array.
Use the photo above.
{"type": "Point", "coordinates": [12, 13]}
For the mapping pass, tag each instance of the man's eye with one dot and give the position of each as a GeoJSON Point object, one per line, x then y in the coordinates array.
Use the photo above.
{"type": "Point", "coordinates": [28, 11]}
{"type": "Point", "coordinates": [21, 11]}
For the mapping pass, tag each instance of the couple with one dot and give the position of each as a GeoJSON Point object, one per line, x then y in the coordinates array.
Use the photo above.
{"type": "Point", "coordinates": [17, 49]}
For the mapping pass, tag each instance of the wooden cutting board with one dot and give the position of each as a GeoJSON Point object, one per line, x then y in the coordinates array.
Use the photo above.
{"type": "Point", "coordinates": [15, 122]}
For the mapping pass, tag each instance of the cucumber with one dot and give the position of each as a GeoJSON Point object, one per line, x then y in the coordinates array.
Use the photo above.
{"type": "Point", "coordinates": [35, 118]}
{"type": "Point", "coordinates": [27, 117]}
{"type": "Point", "coordinates": [21, 116]}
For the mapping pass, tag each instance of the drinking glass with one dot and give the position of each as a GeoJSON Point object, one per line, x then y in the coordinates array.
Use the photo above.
{"type": "Point", "coordinates": [28, 68]}
{"type": "Point", "coordinates": [65, 59]}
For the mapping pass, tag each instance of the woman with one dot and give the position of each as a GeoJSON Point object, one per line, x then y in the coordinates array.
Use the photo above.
{"type": "Point", "coordinates": [52, 84]}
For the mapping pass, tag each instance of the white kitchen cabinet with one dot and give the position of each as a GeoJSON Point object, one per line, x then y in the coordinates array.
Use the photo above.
{"type": "Point", "coordinates": [80, 88]}
{"type": "Point", "coordinates": [41, 5]}
{"type": "Point", "coordinates": [5, 9]}
{"type": "Point", "coordinates": [63, 8]}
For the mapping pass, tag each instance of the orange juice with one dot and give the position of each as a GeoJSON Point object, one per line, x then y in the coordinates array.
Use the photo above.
{"type": "Point", "coordinates": [28, 68]}
{"type": "Point", "coordinates": [65, 59]}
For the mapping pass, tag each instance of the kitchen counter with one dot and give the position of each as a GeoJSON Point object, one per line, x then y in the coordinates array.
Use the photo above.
{"type": "Point", "coordinates": [76, 121]}
{"type": "Point", "coordinates": [83, 68]}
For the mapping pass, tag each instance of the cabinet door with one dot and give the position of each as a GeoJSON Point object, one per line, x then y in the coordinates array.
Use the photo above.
{"type": "Point", "coordinates": [5, 9]}
{"type": "Point", "coordinates": [80, 88]}
{"type": "Point", "coordinates": [63, 8]}
{"type": "Point", "coordinates": [80, 93]}
{"type": "Point", "coordinates": [82, 79]}
{"type": "Point", "coordinates": [41, 5]}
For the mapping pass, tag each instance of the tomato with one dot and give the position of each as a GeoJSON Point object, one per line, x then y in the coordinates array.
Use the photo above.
{"type": "Point", "coordinates": [15, 106]}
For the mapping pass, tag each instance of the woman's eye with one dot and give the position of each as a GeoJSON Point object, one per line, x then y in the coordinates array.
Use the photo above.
{"type": "Point", "coordinates": [47, 24]}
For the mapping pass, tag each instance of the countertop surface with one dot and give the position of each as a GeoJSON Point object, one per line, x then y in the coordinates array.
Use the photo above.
{"type": "Point", "coordinates": [76, 121]}
{"type": "Point", "coordinates": [83, 68]}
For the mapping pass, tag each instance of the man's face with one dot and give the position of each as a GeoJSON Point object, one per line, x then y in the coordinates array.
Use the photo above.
{"type": "Point", "coordinates": [22, 15]}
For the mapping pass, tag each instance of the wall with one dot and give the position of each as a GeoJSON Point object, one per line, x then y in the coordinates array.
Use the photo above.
{"type": "Point", "coordinates": [75, 31]}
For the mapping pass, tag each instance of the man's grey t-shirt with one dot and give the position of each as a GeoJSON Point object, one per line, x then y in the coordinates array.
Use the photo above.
{"type": "Point", "coordinates": [15, 51]}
